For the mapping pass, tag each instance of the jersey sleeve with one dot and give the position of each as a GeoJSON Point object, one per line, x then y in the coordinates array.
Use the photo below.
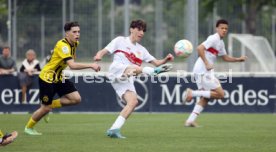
{"type": "Point", "coordinates": [223, 51]}
{"type": "Point", "coordinates": [211, 40]}
{"type": "Point", "coordinates": [64, 51]}
{"type": "Point", "coordinates": [147, 57]}
{"type": "Point", "coordinates": [112, 46]}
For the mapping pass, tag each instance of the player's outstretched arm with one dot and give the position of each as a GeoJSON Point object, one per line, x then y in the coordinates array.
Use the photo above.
{"type": "Point", "coordinates": [228, 58]}
{"type": "Point", "coordinates": [201, 52]}
{"type": "Point", "coordinates": [78, 66]}
{"type": "Point", "coordinates": [161, 66]}
{"type": "Point", "coordinates": [242, 59]}
{"type": "Point", "coordinates": [168, 58]}
{"type": "Point", "coordinates": [99, 55]}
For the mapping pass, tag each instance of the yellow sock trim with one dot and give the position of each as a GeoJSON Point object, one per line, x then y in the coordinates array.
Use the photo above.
{"type": "Point", "coordinates": [31, 123]}
{"type": "Point", "coordinates": [1, 134]}
{"type": "Point", "coordinates": [56, 103]}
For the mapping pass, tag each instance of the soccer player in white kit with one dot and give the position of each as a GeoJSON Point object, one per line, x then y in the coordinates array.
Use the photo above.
{"type": "Point", "coordinates": [208, 85]}
{"type": "Point", "coordinates": [127, 60]}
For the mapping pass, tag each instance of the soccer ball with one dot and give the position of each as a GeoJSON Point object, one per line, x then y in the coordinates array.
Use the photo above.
{"type": "Point", "coordinates": [183, 48]}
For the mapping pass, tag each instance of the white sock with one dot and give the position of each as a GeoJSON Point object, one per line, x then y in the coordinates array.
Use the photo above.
{"type": "Point", "coordinates": [148, 70]}
{"type": "Point", "coordinates": [201, 93]}
{"type": "Point", "coordinates": [119, 122]}
{"type": "Point", "coordinates": [197, 110]}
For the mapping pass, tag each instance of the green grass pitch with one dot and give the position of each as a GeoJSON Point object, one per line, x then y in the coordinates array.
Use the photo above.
{"type": "Point", "coordinates": [145, 133]}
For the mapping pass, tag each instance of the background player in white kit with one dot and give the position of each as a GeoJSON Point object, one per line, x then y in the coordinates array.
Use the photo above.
{"type": "Point", "coordinates": [208, 85]}
{"type": "Point", "coordinates": [128, 57]}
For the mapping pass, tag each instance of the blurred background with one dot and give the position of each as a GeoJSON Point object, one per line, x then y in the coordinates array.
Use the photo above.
{"type": "Point", "coordinates": [38, 24]}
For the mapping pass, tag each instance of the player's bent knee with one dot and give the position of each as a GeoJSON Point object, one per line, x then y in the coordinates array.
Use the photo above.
{"type": "Point", "coordinates": [77, 100]}
{"type": "Point", "coordinates": [74, 100]}
{"type": "Point", "coordinates": [135, 103]}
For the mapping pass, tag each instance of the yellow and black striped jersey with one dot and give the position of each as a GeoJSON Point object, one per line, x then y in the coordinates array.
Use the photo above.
{"type": "Point", "coordinates": [63, 51]}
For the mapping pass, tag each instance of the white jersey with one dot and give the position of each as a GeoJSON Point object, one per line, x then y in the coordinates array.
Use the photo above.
{"type": "Point", "coordinates": [214, 47]}
{"type": "Point", "coordinates": [120, 61]}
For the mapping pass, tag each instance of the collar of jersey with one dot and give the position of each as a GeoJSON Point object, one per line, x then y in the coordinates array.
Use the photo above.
{"type": "Point", "coordinates": [68, 42]}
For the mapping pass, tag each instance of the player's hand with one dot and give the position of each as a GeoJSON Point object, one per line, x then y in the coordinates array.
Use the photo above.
{"type": "Point", "coordinates": [169, 57]}
{"type": "Point", "coordinates": [242, 58]}
{"type": "Point", "coordinates": [95, 67]}
{"type": "Point", "coordinates": [209, 67]}
{"type": "Point", "coordinates": [97, 58]}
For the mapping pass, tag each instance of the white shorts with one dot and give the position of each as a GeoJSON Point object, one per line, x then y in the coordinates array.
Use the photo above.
{"type": "Point", "coordinates": [119, 83]}
{"type": "Point", "coordinates": [207, 81]}
{"type": "Point", "coordinates": [116, 70]}
{"type": "Point", "coordinates": [121, 87]}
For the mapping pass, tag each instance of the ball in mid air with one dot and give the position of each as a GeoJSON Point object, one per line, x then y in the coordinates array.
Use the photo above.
{"type": "Point", "coordinates": [183, 48]}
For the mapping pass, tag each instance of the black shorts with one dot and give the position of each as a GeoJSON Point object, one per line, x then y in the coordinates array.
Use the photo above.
{"type": "Point", "coordinates": [48, 90]}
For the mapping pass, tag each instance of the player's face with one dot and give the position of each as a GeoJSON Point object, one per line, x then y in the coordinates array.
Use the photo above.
{"type": "Point", "coordinates": [222, 30]}
{"type": "Point", "coordinates": [136, 34]}
{"type": "Point", "coordinates": [73, 35]}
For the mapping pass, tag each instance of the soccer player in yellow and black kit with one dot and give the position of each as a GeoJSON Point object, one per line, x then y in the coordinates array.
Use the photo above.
{"type": "Point", "coordinates": [51, 78]}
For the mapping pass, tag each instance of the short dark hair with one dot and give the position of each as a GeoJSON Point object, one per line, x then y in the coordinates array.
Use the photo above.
{"type": "Point", "coordinates": [221, 21]}
{"type": "Point", "coordinates": [69, 25]}
{"type": "Point", "coordinates": [6, 47]}
{"type": "Point", "coordinates": [140, 24]}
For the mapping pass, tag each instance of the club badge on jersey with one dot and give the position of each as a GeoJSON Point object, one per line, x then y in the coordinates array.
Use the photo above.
{"type": "Point", "coordinates": [65, 49]}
